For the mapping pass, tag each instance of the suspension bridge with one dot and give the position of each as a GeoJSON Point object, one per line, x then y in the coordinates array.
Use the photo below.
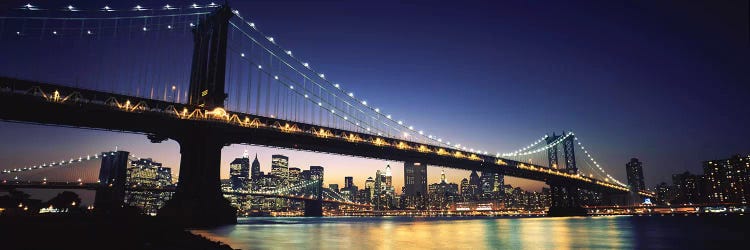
{"type": "Point", "coordinates": [206, 77]}
{"type": "Point", "coordinates": [76, 173]}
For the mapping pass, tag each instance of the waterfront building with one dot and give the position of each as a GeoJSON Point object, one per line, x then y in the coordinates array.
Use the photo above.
{"type": "Point", "coordinates": [334, 187]}
{"type": "Point", "coordinates": [145, 174]}
{"type": "Point", "coordinates": [280, 166]}
{"type": "Point", "coordinates": [415, 179]}
{"type": "Point", "coordinates": [465, 188]}
{"type": "Point", "coordinates": [294, 174]}
{"type": "Point", "coordinates": [727, 180]}
{"type": "Point", "coordinates": [316, 173]}
{"type": "Point", "coordinates": [634, 170]}
{"type": "Point", "coordinates": [664, 194]}
{"type": "Point", "coordinates": [255, 172]}
{"type": "Point", "coordinates": [348, 182]}
{"type": "Point", "coordinates": [239, 172]}
{"type": "Point", "coordinates": [474, 183]}
{"type": "Point", "coordinates": [687, 188]}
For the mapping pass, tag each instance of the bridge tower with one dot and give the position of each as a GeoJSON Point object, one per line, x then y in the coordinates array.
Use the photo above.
{"type": "Point", "coordinates": [552, 151]}
{"type": "Point", "coordinates": [111, 191]}
{"type": "Point", "coordinates": [314, 208]}
{"type": "Point", "coordinates": [565, 197]}
{"type": "Point", "coordinates": [209, 60]}
{"type": "Point", "coordinates": [198, 200]}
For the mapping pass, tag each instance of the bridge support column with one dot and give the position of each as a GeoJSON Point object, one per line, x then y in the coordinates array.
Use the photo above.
{"type": "Point", "coordinates": [198, 200]}
{"type": "Point", "coordinates": [314, 208]}
{"type": "Point", "coordinates": [565, 201]}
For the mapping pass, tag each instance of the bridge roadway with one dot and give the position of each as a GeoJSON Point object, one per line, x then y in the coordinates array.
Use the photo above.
{"type": "Point", "coordinates": [22, 101]}
{"type": "Point", "coordinates": [7, 185]}
{"type": "Point", "coordinates": [202, 133]}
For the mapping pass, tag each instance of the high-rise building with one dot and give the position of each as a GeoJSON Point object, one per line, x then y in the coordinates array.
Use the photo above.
{"type": "Point", "coordinates": [487, 183]}
{"type": "Point", "coordinates": [498, 183]}
{"type": "Point", "coordinates": [377, 193]}
{"type": "Point", "coordinates": [474, 182]}
{"type": "Point", "coordinates": [294, 174]}
{"type": "Point", "coordinates": [388, 179]}
{"type": "Point", "coordinates": [465, 188]}
{"type": "Point", "coordinates": [239, 172]}
{"type": "Point", "coordinates": [146, 175]}
{"type": "Point", "coordinates": [348, 182]}
{"type": "Point", "coordinates": [727, 180]}
{"type": "Point", "coordinates": [280, 166]}
{"type": "Point", "coordinates": [334, 187]}
{"type": "Point", "coordinates": [255, 172]}
{"type": "Point", "coordinates": [687, 188]}
{"type": "Point", "coordinates": [305, 175]}
{"type": "Point", "coordinates": [316, 173]}
{"type": "Point", "coordinates": [442, 193]}
{"type": "Point", "coordinates": [664, 194]}
{"type": "Point", "coordinates": [634, 169]}
{"type": "Point", "coordinates": [370, 186]}
{"type": "Point", "coordinates": [415, 179]}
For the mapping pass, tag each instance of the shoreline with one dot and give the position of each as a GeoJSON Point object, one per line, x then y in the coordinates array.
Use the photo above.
{"type": "Point", "coordinates": [97, 232]}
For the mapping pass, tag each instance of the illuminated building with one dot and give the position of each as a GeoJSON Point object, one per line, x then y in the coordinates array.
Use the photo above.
{"type": "Point", "coordinates": [294, 174]}
{"type": "Point", "coordinates": [316, 173]}
{"type": "Point", "coordinates": [634, 170]}
{"type": "Point", "coordinates": [465, 188]}
{"type": "Point", "coordinates": [146, 174]}
{"type": "Point", "coordinates": [255, 172]}
{"type": "Point", "coordinates": [442, 194]}
{"type": "Point", "coordinates": [348, 182]}
{"type": "Point", "coordinates": [727, 180]}
{"type": "Point", "coordinates": [239, 172]}
{"type": "Point", "coordinates": [280, 166]}
{"type": "Point", "coordinates": [333, 187]}
{"type": "Point", "coordinates": [664, 194]}
{"type": "Point", "coordinates": [687, 188]}
{"type": "Point", "coordinates": [388, 180]}
{"type": "Point", "coordinates": [415, 179]}
{"type": "Point", "coordinates": [474, 183]}
{"type": "Point", "coordinates": [370, 187]}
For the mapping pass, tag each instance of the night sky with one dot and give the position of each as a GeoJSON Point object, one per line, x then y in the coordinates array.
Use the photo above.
{"type": "Point", "coordinates": [664, 81]}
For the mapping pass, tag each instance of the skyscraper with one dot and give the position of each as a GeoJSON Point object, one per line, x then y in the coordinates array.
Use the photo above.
{"type": "Point", "coordinates": [388, 178]}
{"type": "Point", "coordinates": [370, 186]}
{"type": "Point", "coordinates": [465, 189]}
{"type": "Point", "coordinates": [348, 182]}
{"type": "Point", "coordinates": [474, 182]}
{"type": "Point", "coordinates": [334, 187]}
{"type": "Point", "coordinates": [147, 174]}
{"type": "Point", "coordinates": [239, 172]}
{"type": "Point", "coordinates": [634, 169]}
{"type": "Point", "coordinates": [687, 188]}
{"type": "Point", "coordinates": [487, 183]}
{"type": "Point", "coordinates": [280, 166]}
{"type": "Point", "coordinates": [415, 179]}
{"type": "Point", "coordinates": [378, 189]}
{"type": "Point", "coordinates": [294, 174]}
{"type": "Point", "coordinates": [255, 172]}
{"type": "Point", "coordinates": [728, 180]}
{"type": "Point", "coordinates": [316, 173]}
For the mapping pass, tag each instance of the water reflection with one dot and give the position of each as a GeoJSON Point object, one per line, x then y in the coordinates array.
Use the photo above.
{"type": "Point", "coordinates": [613, 232]}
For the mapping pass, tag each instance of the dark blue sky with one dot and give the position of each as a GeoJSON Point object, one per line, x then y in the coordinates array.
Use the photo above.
{"type": "Point", "coordinates": [664, 81]}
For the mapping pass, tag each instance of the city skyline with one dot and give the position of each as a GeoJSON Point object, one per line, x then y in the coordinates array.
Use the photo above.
{"type": "Point", "coordinates": [651, 109]}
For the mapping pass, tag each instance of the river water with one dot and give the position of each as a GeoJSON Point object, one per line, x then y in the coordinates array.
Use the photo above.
{"type": "Point", "coordinates": [606, 232]}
